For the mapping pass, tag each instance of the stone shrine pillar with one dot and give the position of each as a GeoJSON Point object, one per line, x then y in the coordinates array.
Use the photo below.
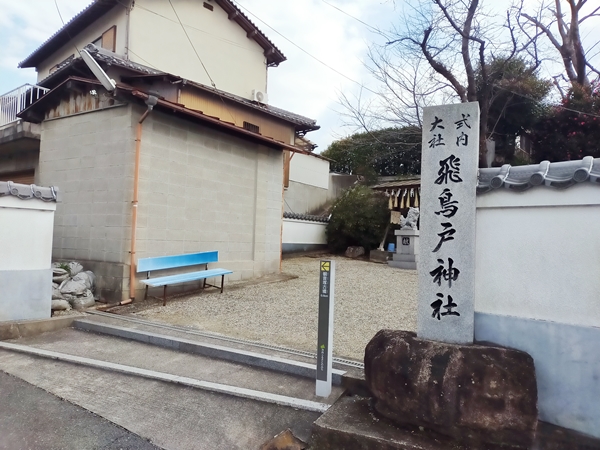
{"type": "Point", "coordinates": [446, 266]}
{"type": "Point", "coordinates": [407, 249]}
{"type": "Point", "coordinates": [473, 395]}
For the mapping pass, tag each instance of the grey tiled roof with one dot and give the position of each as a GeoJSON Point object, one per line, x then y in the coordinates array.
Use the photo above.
{"type": "Point", "coordinates": [29, 191]}
{"type": "Point", "coordinates": [307, 217]}
{"type": "Point", "coordinates": [302, 123]}
{"type": "Point", "coordinates": [558, 175]}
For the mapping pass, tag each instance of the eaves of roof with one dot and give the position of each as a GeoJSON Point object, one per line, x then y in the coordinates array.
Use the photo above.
{"type": "Point", "coordinates": [301, 123]}
{"type": "Point", "coordinates": [100, 7]}
{"type": "Point", "coordinates": [73, 27]}
{"type": "Point", "coordinates": [30, 115]}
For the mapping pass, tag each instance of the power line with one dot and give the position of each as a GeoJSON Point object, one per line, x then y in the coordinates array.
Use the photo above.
{"type": "Point", "coordinates": [371, 27]}
{"type": "Point", "coordinates": [305, 51]}
{"type": "Point", "coordinates": [201, 62]}
{"type": "Point", "coordinates": [193, 46]}
{"type": "Point", "coordinates": [545, 104]}
{"type": "Point", "coordinates": [63, 22]}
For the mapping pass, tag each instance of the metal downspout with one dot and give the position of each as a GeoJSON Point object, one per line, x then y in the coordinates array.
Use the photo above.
{"type": "Point", "coordinates": [152, 100]}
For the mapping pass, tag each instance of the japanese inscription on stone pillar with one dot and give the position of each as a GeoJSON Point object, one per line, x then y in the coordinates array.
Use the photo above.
{"type": "Point", "coordinates": [446, 266]}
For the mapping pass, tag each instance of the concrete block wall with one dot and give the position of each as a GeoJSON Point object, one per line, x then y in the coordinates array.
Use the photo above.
{"type": "Point", "coordinates": [90, 157]}
{"type": "Point", "coordinates": [203, 190]}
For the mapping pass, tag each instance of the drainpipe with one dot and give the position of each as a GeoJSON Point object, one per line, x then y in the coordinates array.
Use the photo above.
{"type": "Point", "coordinates": [151, 102]}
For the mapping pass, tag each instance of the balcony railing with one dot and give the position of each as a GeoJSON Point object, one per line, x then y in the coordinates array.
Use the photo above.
{"type": "Point", "coordinates": [15, 101]}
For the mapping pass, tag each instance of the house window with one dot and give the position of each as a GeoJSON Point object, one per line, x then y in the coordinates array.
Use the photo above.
{"type": "Point", "coordinates": [60, 64]}
{"type": "Point", "coordinates": [108, 40]}
{"type": "Point", "coordinates": [208, 6]}
{"type": "Point", "coordinates": [251, 127]}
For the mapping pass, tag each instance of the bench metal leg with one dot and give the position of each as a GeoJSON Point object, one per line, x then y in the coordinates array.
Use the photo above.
{"type": "Point", "coordinates": [222, 282]}
{"type": "Point", "coordinates": [146, 293]}
{"type": "Point", "coordinates": [204, 283]}
{"type": "Point", "coordinates": [165, 295]}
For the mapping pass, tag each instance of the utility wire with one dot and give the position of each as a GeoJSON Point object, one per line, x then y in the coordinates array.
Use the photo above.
{"type": "Point", "coordinates": [63, 22]}
{"type": "Point", "coordinates": [371, 27]}
{"type": "Point", "coordinates": [193, 46]}
{"type": "Point", "coordinates": [201, 62]}
{"type": "Point", "coordinates": [545, 104]}
{"type": "Point", "coordinates": [306, 52]}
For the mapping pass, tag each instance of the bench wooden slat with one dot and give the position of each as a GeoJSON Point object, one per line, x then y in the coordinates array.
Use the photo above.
{"type": "Point", "coordinates": [183, 277]}
{"type": "Point", "coordinates": [174, 261]}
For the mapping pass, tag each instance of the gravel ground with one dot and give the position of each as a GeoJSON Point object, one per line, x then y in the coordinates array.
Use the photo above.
{"type": "Point", "coordinates": [368, 297]}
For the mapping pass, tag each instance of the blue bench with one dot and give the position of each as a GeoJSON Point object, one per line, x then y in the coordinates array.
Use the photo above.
{"type": "Point", "coordinates": [149, 265]}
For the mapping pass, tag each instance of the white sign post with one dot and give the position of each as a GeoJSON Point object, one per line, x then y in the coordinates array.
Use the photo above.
{"type": "Point", "coordinates": [325, 332]}
{"type": "Point", "coordinates": [446, 266]}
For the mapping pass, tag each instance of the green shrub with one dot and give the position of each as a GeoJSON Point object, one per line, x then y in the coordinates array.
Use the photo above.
{"type": "Point", "coordinates": [359, 218]}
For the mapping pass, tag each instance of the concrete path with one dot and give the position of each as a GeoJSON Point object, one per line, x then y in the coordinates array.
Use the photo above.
{"type": "Point", "coordinates": [169, 415]}
{"type": "Point", "coordinates": [32, 418]}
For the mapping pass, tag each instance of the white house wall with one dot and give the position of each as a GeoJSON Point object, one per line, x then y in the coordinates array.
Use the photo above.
{"type": "Point", "coordinates": [235, 62]}
{"type": "Point", "coordinates": [116, 16]}
{"type": "Point", "coordinates": [309, 170]}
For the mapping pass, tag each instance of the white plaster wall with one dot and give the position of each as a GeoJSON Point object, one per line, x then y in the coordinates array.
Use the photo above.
{"type": "Point", "coordinates": [117, 16]}
{"type": "Point", "coordinates": [309, 170]}
{"type": "Point", "coordinates": [538, 254]}
{"type": "Point", "coordinates": [26, 233]}
{"type": "Point", "coordinates": [235, 62]}
{"type": "Point", "coordinates": [303, 232]}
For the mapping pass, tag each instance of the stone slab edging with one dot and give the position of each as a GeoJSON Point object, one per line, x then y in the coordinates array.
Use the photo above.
{"type": "Point", "coordinates": [23, 328]}
{"type": "Point", "coordinates": [209, 350]}
{"type": "Point", "coordinates": [250, 394]}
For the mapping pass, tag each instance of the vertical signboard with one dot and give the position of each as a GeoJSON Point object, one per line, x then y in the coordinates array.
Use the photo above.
{"type": "Point", "coordinates": [446, 266]}
{"type": "Point", "coordinates": [325, 331]}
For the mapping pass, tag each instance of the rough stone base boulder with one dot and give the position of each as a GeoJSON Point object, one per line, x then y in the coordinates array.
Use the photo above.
{"type": "Point", "coordinates": [475, 394]}
{"type": "Point", "coordinates": [354, 252]}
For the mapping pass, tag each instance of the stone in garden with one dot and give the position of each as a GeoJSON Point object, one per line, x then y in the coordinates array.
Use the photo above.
{"type": "Point", "coordinates": [475, 394]}
{"type": "Point", "coordinates": [60, 305]}
{"type": "Point", "coordinates": [446, 263]}
{"type": "Point", "coordinates": [354, 252]}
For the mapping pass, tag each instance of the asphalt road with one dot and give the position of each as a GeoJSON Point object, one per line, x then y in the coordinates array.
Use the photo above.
{"type": "Point", "coordinates": [31, 418]}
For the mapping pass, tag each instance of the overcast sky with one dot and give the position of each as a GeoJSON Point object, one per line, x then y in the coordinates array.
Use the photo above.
{"type": "Point", "coordinates": [301, 84]}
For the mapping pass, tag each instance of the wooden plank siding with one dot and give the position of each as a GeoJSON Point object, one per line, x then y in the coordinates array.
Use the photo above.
{"type": "Point", "coordinates": [227, 111]}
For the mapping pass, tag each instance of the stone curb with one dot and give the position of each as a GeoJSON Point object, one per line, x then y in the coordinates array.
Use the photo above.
{"type": "Point", "coordinates": [18, 329]}
{"type": "Point", "coordinates": [251, 394]}
{"type": "Point", "coordinates": [210, 350]}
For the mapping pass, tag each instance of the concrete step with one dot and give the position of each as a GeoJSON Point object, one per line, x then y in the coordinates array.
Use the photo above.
{"type": "Point", "coordinates": [135, 323]}
{"type": "Point", "coordinates": [199, 346]}
{"type": "Point", "coordinates": [166, 411]}
{"type": "Point", "coordinates": [167, 364]}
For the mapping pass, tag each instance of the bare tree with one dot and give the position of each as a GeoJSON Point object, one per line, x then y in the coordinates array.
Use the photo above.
{"type": "Point", "coordinates": [563, 30]}
{"type": "Point", "coordinates": [454, 38]}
